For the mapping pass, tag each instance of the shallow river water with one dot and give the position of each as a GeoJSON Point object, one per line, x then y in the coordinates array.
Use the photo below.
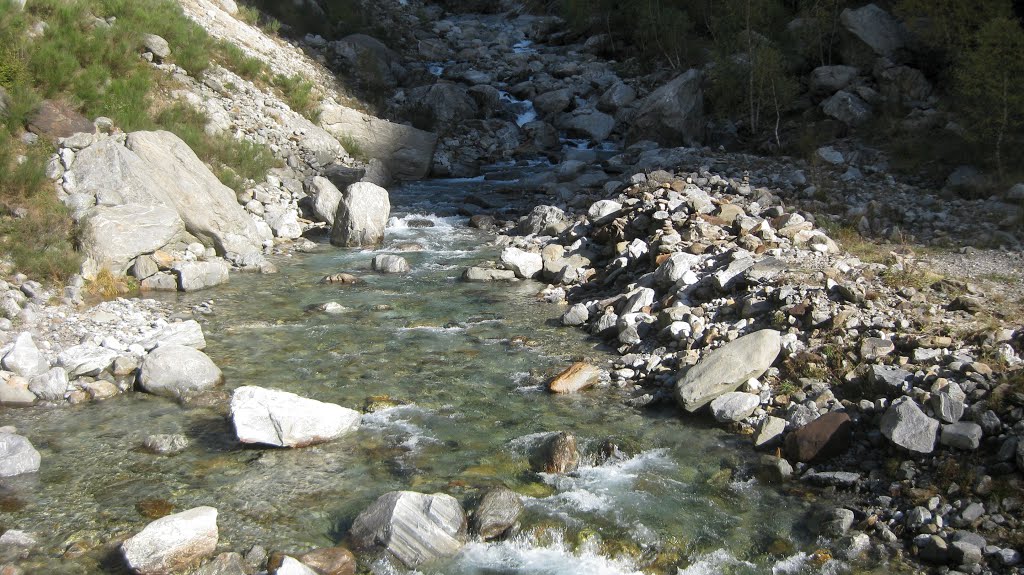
{"type": "Point", "coordinates": [465, 362]}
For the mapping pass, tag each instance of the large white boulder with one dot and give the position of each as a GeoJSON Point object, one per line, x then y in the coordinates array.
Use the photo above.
{"type": "Point", "coordinates": [25, 359]}
{"type": "Point", "coordinates": [113, 236]}
{"type": "Point", "coordinates": [526, 265]}
{"type": "Point", "coordinates": [273, 417]}
{"type": "Point", "coordinates": [176, 371]}
{"type": "Point", "coordinates": [173, 543]}
{"type": "Point", "coordinates": [414, 527]}
{"type": "Point", "coordinates": [362, 216]}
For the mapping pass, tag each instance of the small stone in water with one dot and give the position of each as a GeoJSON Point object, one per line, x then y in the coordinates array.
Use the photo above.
{"type": "Point", "coordinates": [154, 508]}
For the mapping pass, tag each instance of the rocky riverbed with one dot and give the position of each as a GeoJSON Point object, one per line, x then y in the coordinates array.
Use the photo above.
{"type": "Point", "coordinates": [727, 388]}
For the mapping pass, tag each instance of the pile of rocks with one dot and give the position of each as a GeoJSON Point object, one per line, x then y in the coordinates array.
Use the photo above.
{"type": "Point", "coordinates": [719, 298]}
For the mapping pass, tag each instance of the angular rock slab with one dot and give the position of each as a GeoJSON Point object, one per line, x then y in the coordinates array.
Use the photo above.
{"type": "Point", "coordinates": [209, 209]}
{"type": "Point", "coordinates": [414, 527]}
{"type": "Point", "coordinates": [174, 370]}
{"type": "Point", "coordinates": [17, 456]}
{"type": "Point", "coordinates": [825, 437]}
{"type": "Point", "coordinates": [173, 543]}
{"type": "Point", "coordinates": [361, 217]}
{"type": "Point", "coordinates": [577, 377]}
{"type": "Point", "coordinates": [25, 359]}
{"type": "Point", "coordinates": [526, 265]}
{"type": "Point", "coordinates": [113, 236]}
{"type": "Point", "coordinates": [726, 368]}
{"type": "Point", "coordinates": [283, 419]}
{"type": "Point", "coordinates": [907, 426]}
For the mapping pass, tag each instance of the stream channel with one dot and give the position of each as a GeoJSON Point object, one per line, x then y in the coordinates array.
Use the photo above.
{"type": "Point", "coordinates": [467, 362]}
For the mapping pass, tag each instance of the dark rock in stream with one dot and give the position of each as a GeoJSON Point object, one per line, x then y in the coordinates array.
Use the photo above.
{"type": "Point", "coordinates": [497, 513]}
{"type": "Point", "coordinates": [556, 454]}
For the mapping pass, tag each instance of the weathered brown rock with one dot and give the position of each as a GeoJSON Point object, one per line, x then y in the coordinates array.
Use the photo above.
{"type": "Point", "coordinates": [825, 437]}
{"type": "Point", "coordinates": [578, 376]}
{"type": "Point", "coordinates": [330, 561]}
{"type": "Point", "coordinates": [557, 454]}
{"type": "Point", "coordinates": [55, 119]}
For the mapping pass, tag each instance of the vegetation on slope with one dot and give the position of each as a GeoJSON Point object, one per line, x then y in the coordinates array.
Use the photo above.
{"type": "Point", "coordinates": [86, 52]}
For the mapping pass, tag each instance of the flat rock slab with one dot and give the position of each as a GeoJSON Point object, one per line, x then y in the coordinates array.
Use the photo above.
{"type": "Point", "coordinates": [578, 376]}
{"type": "Point", "coordinates": [86, 359]}
{"type": "Point", "coordinates": [477, 274]}
{"type": "Point", "coordinates": [173, 543]}
{"type": "Point", "coordinates": [726, 368]}
{"type": "Point", "coordinates": [414, 527]}
{"type": "Point", "coordinates": [283, 419]}
{"type": "Point", "coordinates": [53, 119]}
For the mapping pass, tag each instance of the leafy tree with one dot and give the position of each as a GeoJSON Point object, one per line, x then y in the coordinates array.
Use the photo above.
{"type": "Point", "coordinates": [990, 84]}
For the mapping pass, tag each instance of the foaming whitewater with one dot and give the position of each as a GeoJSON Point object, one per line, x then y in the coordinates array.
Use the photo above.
{"type": "Point", "coordinates": [528, 556]}
{"type": "Point", "coordinates": [603, 489]}
{"type": "Point", "coordinates": [401, 424]}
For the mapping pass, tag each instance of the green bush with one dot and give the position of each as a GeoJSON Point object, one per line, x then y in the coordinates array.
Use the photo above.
{"type": "Point", "coordinates": [300, 95]}
{"type": "Point", "coordinates": [36, 232]}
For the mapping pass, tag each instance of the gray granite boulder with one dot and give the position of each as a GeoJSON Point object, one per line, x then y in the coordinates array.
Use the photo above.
{"type": "Point", "coordinates": [361, 216]}
{"type": "Point", "coordinates": [177, 371]}
{"type": "Point", "coordinates": [726, 368]}
{"type": "Point", "coordinates": [908, 427]}
{"type": "Point", "coordinates": [415, 528]}
{"type": "Point", "coordinates": [113, 236]}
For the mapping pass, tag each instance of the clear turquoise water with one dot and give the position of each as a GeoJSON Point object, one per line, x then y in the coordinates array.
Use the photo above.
{"type": "Point", "coordinates": [466, 362]}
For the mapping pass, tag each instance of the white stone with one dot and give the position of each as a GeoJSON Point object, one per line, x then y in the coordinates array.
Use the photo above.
{"type": "Point", "coordinates": [173, 543]}
{"type": "Point", "coordinates": [362, 216]}
{"type": "Point", "coordinates": [25, 358]}
{"type": "Point", "coordinates": [416, 528]}
{"type": "Point", "coordinates": [173, 370]}
{"type": "Point", "coordinates": [17, 456]}
{"type": "Point", "coordinates": [734, 406]}
{"type": "Point", "coordinates": [284, 419]}
{"type": "Point", "coordinates": [526, 265]}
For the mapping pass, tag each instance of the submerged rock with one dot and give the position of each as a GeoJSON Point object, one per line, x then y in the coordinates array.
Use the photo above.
{"type": "Point", "coordinates": [390, 264]}
{"type": "Point", "coordinates": [726, 368]}
{"type": "Point", "coordinates": [415, 528]}
{"type": "Point", "coordinates": [174, 543]}
{"type": "Point", "coordinates": [283, 419]}
{"type": "Point", "coordinates": [330, 561]}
